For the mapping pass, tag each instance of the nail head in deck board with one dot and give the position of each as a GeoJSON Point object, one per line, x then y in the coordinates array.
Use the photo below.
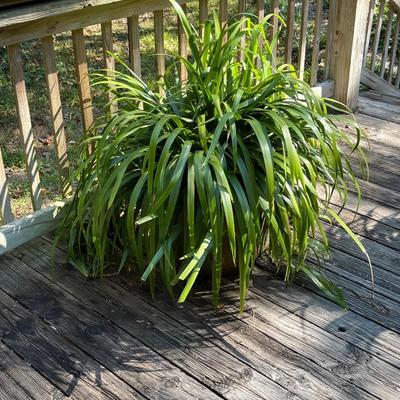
{"type": "Point", "coordinates": [56, 114]}
{"type": "Point", "coordinates": [114, 348]}
{"type": "Point", "coordinates": [82, 76]}
{"type": "Point", "coordinates": [25, 124]}
{"type": "Point", "coordinates": [109, 62]}
{"type": "Point", "coordinates": [134, 44]}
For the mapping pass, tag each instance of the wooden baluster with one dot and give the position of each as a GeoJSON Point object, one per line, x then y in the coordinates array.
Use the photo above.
{"type": "Point", "coordinates": [242, 10]}
{"type": "Point", "coordinates": [82, 77]}
{"type": "Point", "coordinates": [25, 125]}
{"type": "Point", "coordinates": [316, 41]}
{"type": "Point", "coordinates": [203, 14]}
{"type": "Point", "coordinates": [241, 6]}
{"type": "Point", "coordinates": [330, 36]}
{"type": "Point", "coordinates": [388, 35]}
{"type": "Point", "coordinates": [183, 50]}
{"type": "Point", "coordinates": [260, 12]}
{"type": "Point", "coordinates": [109, 62]}
{"type": "Point", "coordinates": [5, 202]}
{"type": "Point", "coordinates": [274, 27]}
{"type": "Point", "coordinates": [134, 44]}
{"type": "Point", "coordinates": [369, 30]}
{"type": "Point", "coordinates": [159, 43]}
{"type": "Point", "coordinates": [397, 81]}
{"type": "Point", "coordinates": [303, 38]}
{"type": "Point", "coordinates": [56, 115]}
{"type": "Point", "coordinates": [290, 31]}
{"type": "Point", "coordinates": [394, 47]}
{"type": "Point", "coordinates": [203, 11]}
{"type": "Point", "coordinates": [377, 36]}
{"type": "Point", "coordinates": [223, 15]}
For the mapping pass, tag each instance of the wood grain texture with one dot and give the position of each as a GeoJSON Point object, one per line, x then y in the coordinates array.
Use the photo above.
{"type": "Point", "coordinates": [44, 9]}
{"type": "Point", "coordinates": [21, 374]}
{"type": "Point", "coordinates": [223, 15]}
{"type": "Point", "coordinates": [159, 42]}
{"type": "Point", "coordinates": [303, 38]}
{"type": "Point", "coordinates": [144, 372]}
{"type": "Point", "coordinates": [227, 375]}
{"type": "Point", "coordinates": [369, 30]}
{"type": "Point", "coordinates": [375, 82]}
{"type": "Point", "coordinates": [290, 31]}
{"type": "Point", "coordinates": [183, 49]}
{"type": "Point", "coordinates": [26, 228]}
{"type": "Point", "coordinates": [394, 49]}
{"type": "Point", "coordinates": [348, 49]}
{"type": "Point", "coordinates": [203, 11]}
{"type": "Point", "coordinates": [108, 59]}
{"type": "Point", "coordinates": [274, 27]}
{"type": "Point", "coordinates": [377, 36]}
{"type": "Point", "coordinates": [386, 42]}
{"type": "Point", "coordinates": [59, 361]}
{"type": "Point", "coordinates": [25, 124]}
{"type": "Point", "coordinates": [81, 17]}
{"type": "Point", "coordinates": [6, 213]}
{"type": "Point", "coordinates": [376, 108]}
{"type": "Point", "coordinates": [330, 35]}
{"type": "Point", "coordinates": [316, 43]}
{"type": "Point", "coordinates": [134, 44]}
{"type": "Point", "coordinates": [82, 77]}
{"type": "Point", "coordinates": [56, 114]}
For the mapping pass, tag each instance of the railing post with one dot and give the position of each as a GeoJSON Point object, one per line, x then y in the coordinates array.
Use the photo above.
{"type": "Point", "coordinates": [347, 48]}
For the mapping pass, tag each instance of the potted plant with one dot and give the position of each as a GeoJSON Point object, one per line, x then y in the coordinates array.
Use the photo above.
{"type": "Point", "coordinates": [239, 159]}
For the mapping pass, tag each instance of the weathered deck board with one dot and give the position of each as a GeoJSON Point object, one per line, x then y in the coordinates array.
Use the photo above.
{"type": "Point", "coordinates": [72, 338]}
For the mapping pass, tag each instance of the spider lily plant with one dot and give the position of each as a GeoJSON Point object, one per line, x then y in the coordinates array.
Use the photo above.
{"type": "Point", "coordinates": [239, 159]}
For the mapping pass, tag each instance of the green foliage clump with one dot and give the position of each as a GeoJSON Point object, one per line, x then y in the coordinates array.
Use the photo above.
{"type": "Point", "coordinates": [239, 159]}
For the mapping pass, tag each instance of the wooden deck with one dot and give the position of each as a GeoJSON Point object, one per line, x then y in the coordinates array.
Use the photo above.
{"type": "Point", "coordinates": [108, 340]}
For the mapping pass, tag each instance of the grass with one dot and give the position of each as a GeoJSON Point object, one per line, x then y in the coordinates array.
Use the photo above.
{"type": "Point", "coordinates": [10, 140]}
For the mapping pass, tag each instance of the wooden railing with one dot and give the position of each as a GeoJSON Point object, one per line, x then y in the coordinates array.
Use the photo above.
{"type": "Point", "coordinates": [382, 52]}
{"type": "Point", "coordinates": [42, 21]}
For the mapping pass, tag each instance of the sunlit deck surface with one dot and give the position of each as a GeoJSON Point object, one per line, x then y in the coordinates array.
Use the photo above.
{"type": "Point", "coordinates": [67, 337]}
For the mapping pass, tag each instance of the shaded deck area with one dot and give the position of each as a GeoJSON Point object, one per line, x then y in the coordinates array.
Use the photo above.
{"type": "Point", "coordinates": [67, 337]}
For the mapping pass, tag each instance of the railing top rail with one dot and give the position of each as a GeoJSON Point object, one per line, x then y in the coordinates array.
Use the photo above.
{"type": "Point", "coordinates": [395, 3]}
{"type": "Point", "coordinates": [50, 8]}
{"type": "Point", "coordinates": [64, 18]}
